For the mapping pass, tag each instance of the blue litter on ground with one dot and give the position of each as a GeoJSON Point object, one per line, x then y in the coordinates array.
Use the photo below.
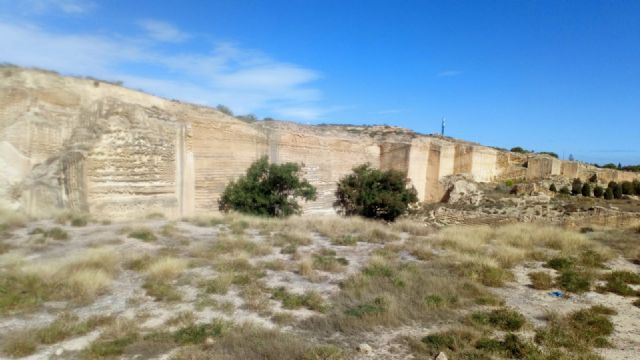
{"type": "Point", "coordinates": [557, 294]}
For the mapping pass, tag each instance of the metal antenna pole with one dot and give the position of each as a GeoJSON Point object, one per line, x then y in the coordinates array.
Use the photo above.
{"type": "Point", "coordinates": [443, 123]}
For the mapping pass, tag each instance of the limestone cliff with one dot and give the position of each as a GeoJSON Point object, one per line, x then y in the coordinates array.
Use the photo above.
{"type": "Point", "coordinates": [94, 146]}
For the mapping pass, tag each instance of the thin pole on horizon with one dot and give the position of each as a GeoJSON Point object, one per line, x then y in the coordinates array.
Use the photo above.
{"type": "Point", "coordinates": [443, 123]}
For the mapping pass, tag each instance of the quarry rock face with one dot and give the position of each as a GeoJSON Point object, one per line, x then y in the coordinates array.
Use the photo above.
{"type": "Point", "coordinates": [88, 145]}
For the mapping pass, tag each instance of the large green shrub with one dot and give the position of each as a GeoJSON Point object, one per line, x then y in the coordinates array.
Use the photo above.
{"type": "Point", "coordinates": [617, 191]}
{"type": "Point", "coordinates": [628, 188]}
{"type": "Point", "coordinates": [598, 191]}
{"type": "Point", "coordinates": [374, 193]}
{"type": "Point", "coordinates": [576, 186]}
{"type": "Point", "coordinates": [267, 190]}
{"type": "Point", "coordinates": [586, 190]}
{"type": "Point", "coordinates": [608, 194]}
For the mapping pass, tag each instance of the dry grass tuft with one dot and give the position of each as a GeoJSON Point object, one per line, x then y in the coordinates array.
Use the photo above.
{"type": "Point", "coordinates": [508, 245]}
{"type": "Point", "coordinates": [166, 268]}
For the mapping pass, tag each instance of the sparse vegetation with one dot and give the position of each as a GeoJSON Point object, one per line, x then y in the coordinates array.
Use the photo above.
{"type": "Point", "coordinates": [541, 280]}
{"type": "Point", "coordinates": [503, 319]}
{"type": "Point", "coordinates": [144, 234]}
{"type": "Point", "coordinates": [400, 276]}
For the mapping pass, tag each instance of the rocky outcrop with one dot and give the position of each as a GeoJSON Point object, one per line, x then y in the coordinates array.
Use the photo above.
{"type": "Point", "coordinates": [94, 146]}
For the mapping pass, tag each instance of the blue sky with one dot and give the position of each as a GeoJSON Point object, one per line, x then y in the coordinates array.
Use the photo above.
{"type": "Point", "coordinates": [560, 76]}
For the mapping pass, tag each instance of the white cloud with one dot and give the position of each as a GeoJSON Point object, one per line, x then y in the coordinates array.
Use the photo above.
{"type": "Point", "coordinates": [71, 7]}
{"type": "Point", "coordinates": [243, 79]}
{"type": "Point", "coordinates": [449, 73]}
{"type": "Point", "coordinates": [162, 31]}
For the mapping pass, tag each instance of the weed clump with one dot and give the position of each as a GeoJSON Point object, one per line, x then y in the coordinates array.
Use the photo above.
{"type": "Point", "coordinates": [143, 234]}
{"type": "Point", "coordinates": [310, 299]}
{"type": "Point", "coordinates": [377, 306]}
{"type": "Point", "coordinates": [198, 333]}
{"type": "Point", "coordinates": [541, 280]}
{"type": "Point", "coordinates": [503, 319]}
{"type": "Point", "coordinates": [575, 281]}
{"type": "Point", "coordinates": [579, 331]}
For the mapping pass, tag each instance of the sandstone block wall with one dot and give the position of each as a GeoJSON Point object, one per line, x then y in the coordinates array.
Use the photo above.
{"type": "Point", "coordinates": [70, 143]}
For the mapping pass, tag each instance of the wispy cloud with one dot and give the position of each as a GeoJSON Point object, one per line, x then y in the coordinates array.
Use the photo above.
{"type": "Point", "coordinates": [449, 73]}
{"type": "Point", "coordinates": [246, 80]}
{"type": "Point", "coordinates": [71, 7]}
{"type": "Point", "coordinates": [162, 31]}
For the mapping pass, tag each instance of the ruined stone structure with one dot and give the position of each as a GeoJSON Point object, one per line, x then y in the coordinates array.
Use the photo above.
{"type": "Point", "coordinates": [94, 146]}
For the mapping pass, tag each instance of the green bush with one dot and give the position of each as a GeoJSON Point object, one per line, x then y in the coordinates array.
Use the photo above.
{"type": "Point", "coordinates": [225, 110]}
{"type": "Point", "coordinates": [576, 186]}
{"type": "Point", "coordinates": [598, 191]}
{"type": "Point", "coordinates": [267, 190]}
{"type": "Point", "coordinates": [617, 191]}
{"type": "Point", "coordinates": [565, 190]}
{"type": "Point", "coordinates": [628, 188]}
{"type": "Point", "coordinates": [553, 188]}
{"type": "Point", "coordinates": [636, 186]}
{"type": "Point", "coordinates": [374, 193]}
{"type": "Point", "coordinates": [520, 150]}
{"type": "Point", "coordinates": [608, 194]}
{"type": "Point", "coordinates": [586, 190]}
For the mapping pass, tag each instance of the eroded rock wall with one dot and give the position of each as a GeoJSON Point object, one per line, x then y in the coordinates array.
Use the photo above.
{"type": "Point", "coordinates": [70, 143]}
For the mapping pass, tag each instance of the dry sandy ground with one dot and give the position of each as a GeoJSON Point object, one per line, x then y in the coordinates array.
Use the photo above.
{"type": "Point", "coordinates": [127, 298]}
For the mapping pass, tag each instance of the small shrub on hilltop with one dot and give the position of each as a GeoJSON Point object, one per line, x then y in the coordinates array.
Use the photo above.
{"type": "Point", "coordinates": [553, 188]}
{"type": "Point", "coordinates": [374, 193]}
{"type": "Point", "coordinates": [267, 190]}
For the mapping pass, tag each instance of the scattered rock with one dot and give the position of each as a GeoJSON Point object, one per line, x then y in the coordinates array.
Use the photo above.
{"type": "Point", "coordinates": [461, 189]}
{"type": "Point", "coordinates": [365, 349]}
{"type": "Point", "coordinates": [526, 188]}
{"type": "Point", "coordinates": [441, 356]}
{"type": "Point", "coordinates": [59, 351]}
{"type": "Point", "coordinates": [209, 341]}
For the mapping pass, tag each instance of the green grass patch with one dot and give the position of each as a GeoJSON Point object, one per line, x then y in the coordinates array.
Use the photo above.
{"type": "Point", "coordinates": [198, 333]}
{"type": "Point", "coordinates": [575, 281]}
{"type": "Point", "coordinates": [310, 299]}
{"type": "Point", "coordinates": [579, 331]}
{"type": "Point", "coordinates": [560, 263]}
{"type": "Point", "coordinates": [375, 307]}
{"type": "Point", "coordinates": [503, 319]}
{"type": "Point", "coordinates": [143, 234]}
{"type": "Point", "coordinates": [326, 260]}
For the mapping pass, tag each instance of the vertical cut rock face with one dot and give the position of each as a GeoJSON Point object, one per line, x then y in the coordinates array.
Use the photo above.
{"type": "Point", "coordinates": [82, 144]}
